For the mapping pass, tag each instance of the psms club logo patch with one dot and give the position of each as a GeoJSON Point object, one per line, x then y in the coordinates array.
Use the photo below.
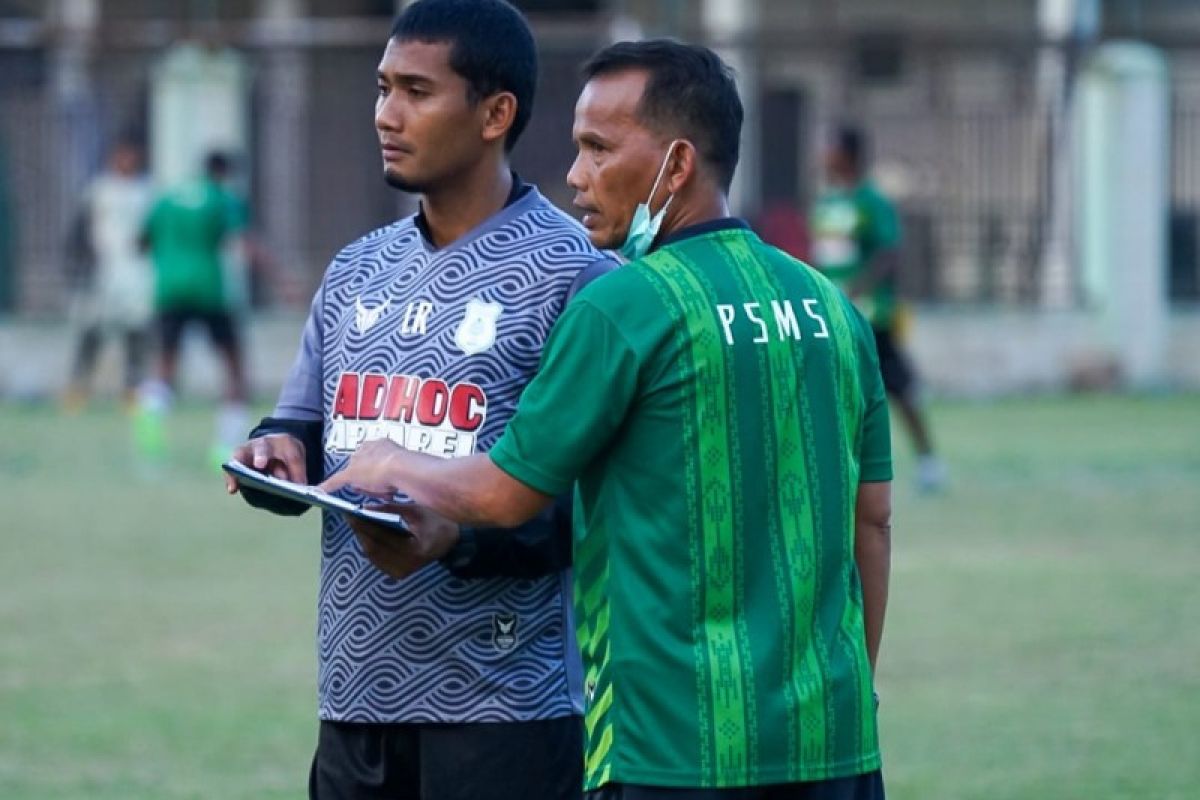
{"type": "Point", "coordinates": [504, 631]}
{"type": "Point", "coordinates": [477, 331]}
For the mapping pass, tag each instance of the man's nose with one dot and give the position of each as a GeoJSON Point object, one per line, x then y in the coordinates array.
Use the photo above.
{"type": "Point", "coordinates": [388, 114]}
{"type": "Point", "coordinates": [575, 174]}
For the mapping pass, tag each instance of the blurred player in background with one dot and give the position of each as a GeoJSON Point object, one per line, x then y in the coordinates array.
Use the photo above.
{"type": "Point", "coordinates": [462, 682]}
{"type": "Point", "coordinates": [188, 232]}
{"type": "Point", "coordinates": [719, 409]}
{"type": "Point", "coordinates": [112, 273]}
{"type": "Point", "coordinates": [855, 242]}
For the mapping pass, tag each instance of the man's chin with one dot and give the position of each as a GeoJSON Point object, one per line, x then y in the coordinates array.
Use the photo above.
{"type": "Point", "coordinates": [602, 240]}
{"type": "Point", "coordinates": [398, 181]}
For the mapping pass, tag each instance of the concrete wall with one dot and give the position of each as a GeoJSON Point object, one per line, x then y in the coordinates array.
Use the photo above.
{"type": "Point", "coordinates": [959, 353]}
{"type": "Point", "coordinates": [989, 352]}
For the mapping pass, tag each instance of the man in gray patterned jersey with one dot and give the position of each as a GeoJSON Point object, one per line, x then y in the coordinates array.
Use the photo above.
{"type": "Point", "coordinates": [463, 680]}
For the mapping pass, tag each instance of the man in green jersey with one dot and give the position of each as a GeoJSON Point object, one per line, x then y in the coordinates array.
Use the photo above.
{"type": "Point", "coordinates": [856, 239]}
{"type": "Point", "coordinates": [187, 231]}
{"type": "Point", "coordinates": [719, 406]}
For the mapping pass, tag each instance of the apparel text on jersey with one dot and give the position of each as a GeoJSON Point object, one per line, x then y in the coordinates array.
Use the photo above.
{"type": "Point", "coordinates": [425, 415]}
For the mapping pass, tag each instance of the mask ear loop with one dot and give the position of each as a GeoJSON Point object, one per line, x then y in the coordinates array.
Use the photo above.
{"type": "Point", "coordinates": [662, 171]}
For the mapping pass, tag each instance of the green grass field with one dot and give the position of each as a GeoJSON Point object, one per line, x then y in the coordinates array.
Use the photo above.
{"type": "Point", "coordinates": [156, 636]}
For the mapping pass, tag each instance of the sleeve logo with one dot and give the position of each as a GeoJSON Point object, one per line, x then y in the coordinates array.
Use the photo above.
{"type": "Point", "coordinates": [477, 332]}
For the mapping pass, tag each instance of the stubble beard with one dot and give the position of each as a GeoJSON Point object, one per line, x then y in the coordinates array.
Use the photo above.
{"type": "Point", "coordinates": [397, 181]}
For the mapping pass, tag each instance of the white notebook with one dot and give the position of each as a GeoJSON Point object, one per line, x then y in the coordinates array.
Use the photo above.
{"type": "Point", "coordinates": [311, 495]}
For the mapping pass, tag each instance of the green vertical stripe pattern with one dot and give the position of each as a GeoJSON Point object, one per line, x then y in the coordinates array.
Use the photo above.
{"type": "Point", "coordinates": [685, 368]}
{"type": "Point", "coordinates": [719, 610]}
{"type": "Point", "coordinates": [862, 733]}
{"type": "Point", "coordinates": [718, 583]}
{"type": "Point", "coordinates": [796, 471]}
{"type": "Point", "coordinates": [779, 420]}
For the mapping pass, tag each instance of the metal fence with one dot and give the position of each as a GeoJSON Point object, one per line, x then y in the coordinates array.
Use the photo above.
{"type": "Point", "coordinates": [970, 154]}
{"type": "Point", "coordinates": [316, 182]}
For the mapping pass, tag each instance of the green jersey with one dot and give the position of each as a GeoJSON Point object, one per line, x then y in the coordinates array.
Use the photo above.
{"type": "Point", "coordinates": [718, 403]}
{"type": "Point", "coordinates": [187, 230]}
{"type": "Point", "coordinates": [849, 227]}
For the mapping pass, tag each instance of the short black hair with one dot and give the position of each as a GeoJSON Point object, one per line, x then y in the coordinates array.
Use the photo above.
{"type": "Point", "coordinates": [491, 47]}
{"type": "Point", "coordinates": [852, 142]}
{"type": "Point", "coordinates": [218, 164]}
{"type": "Point", "coordinates": [690, 92]}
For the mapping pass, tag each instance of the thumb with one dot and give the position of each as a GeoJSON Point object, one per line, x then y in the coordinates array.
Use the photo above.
{"type": "Point", "coordinates": [333, 483]}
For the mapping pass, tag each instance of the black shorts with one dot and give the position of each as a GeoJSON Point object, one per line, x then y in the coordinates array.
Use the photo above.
{"type": "Point", "coordinates": [868, 786]}
{"type": "Point", "coordinates": [221, 329]}
{"type": "Point", "coordinates": [470, 761]}
{"type": "Point", "coordinates": [899, 379]}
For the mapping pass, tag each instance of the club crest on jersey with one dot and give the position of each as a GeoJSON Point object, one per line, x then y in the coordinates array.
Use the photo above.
{"type": "Point", "coordinates": [477, 331]}
{"type": "Point", "coordinates": [365, 318]}
{"type": "Point", "coordinates": [504, 631]}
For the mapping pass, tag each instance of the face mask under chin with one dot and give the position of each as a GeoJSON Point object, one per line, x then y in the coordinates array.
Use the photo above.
{"type": "Point", "coordinates": [644, 228]}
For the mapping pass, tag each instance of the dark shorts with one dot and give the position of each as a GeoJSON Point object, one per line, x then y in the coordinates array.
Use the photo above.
{"type": "Point", "coordinates": [868, 786]}
{"type": "Point", "coordinates": [221, 329]}
{"type": "Point", "coordinates": [470, 761]}
{"type": "Point", "coordinates": [899, 379]}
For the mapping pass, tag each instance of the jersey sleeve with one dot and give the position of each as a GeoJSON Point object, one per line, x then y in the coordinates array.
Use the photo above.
{"type": "Point", "coordinates": [237, 214]}
{"type": "Point", "coordinates": [883, 223]}
{"type": "Point", "coordinates": [301, 396]}
{"type": "Point", "coordinates": [151, 220]}
{"type": "Point", "coordinates": [875, 445]}
{"type": "Point", "coordinates": [572, 409]}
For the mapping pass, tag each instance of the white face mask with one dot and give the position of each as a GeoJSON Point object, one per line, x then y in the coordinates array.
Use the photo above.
{"type": "Point", "coordinates": [644, 227]}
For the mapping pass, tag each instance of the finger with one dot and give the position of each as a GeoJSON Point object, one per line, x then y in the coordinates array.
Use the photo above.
{"type": "Point", "coordinates": [333, 482]}
{"type": "Point", "coordinates": [410, 511]}
{"type": "Point", "coordinates": [230, 485]}
{"type": "Point", "coordinates": [280, 470]}
{"type": "Point", "coordinates": [262, 454]}
{"type": "Point", "coordinates": [388, 508]}
{"type": "Point", "coordinates": [373, 546]}
{"type": "Point", "coordinates": [291, 452]}
{"type": "Point", "coordinates": [244, 453]}
{"type": "Point", "coordinates": [356, 526]}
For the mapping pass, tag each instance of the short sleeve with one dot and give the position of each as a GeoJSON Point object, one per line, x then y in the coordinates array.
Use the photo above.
{"type": "Point", "coordinates": [301, 395]}
{"type": "Point", "coordinates": [574, 405]}
{"type": "Point", "coordinates": [875, 446]}
{"type": "Point", "coordinates": [150, 221]}
{"type": "Point", "coordinates": [883, 222]}
{"type": "Point", "coordinates": [237, 218]}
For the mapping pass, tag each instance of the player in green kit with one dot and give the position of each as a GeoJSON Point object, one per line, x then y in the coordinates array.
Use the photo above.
{"type": "Point", "coordinates": [856, 239]}
{"type": "Point", "coordinates": [719, 407]}
{"type": "Point", "coordinates": [186, 232]}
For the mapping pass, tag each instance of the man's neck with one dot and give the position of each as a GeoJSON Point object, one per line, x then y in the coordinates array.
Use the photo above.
{"type": "Point", "coordinates": [685, 215]}
{"type": "Point", "coordinates": [451, 211]}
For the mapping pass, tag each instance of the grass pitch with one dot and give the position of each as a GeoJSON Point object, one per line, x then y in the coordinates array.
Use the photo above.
{"type": "Point", "coordinates": [156, 636]}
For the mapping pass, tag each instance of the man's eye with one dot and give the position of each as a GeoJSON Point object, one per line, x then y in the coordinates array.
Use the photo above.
{"type": "Point", "coordinates": [382, 89]}
{"type": "Point", "coordinates": [416, 93]}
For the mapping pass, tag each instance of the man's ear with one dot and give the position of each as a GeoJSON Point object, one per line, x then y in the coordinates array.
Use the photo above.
{"type": "Point", "coordinates": [499, 113]}
{"type": "Point", "coordinates": [682, 166]}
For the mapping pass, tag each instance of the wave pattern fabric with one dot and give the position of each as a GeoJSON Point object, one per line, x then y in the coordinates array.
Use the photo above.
{"type": "Point", "coordinates": [433, 348]}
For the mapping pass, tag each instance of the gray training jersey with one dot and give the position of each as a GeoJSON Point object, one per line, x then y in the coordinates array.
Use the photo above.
{"type": "Point", "coordinates": [432, 349]}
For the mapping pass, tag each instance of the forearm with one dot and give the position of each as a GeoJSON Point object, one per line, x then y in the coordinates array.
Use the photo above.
{"type": "Point", "coordinates": [872, 554]}
{"type": "Point", "coordinates": [456, 488]}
